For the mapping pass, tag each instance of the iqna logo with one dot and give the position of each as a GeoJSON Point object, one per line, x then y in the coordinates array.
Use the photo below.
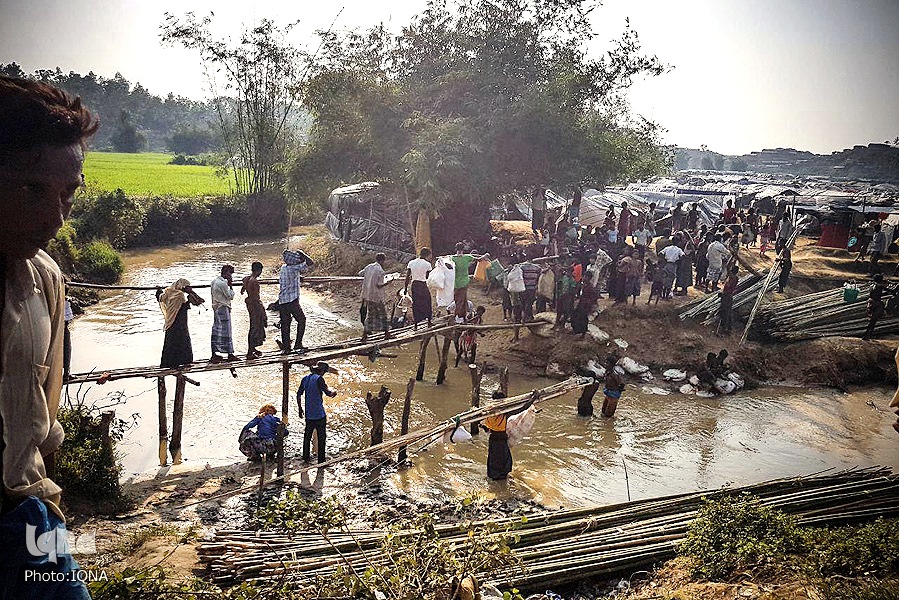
{"type": "Point", "coordinates": [56, 543]}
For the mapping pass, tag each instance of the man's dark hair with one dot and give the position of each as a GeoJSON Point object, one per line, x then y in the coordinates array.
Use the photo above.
{"type": "Point", "coordinates": [425, 251]}
{"type": "Point", "coordinates": [256, 266]}
{"type": "Point", "coordinates": [35, 114]}
{"type": "Point", "coordinates": [227, 269]}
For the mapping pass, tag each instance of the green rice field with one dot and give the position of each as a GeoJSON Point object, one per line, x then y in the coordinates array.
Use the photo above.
{"type": "Point", "coordinates": [149, 174]}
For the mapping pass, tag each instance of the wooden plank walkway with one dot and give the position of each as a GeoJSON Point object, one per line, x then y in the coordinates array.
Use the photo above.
{"type": "Point", "coordinates": [325, 352]}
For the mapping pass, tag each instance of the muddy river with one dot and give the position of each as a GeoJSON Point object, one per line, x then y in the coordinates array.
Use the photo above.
{"type": "Point", "coordinates": [668, 444]}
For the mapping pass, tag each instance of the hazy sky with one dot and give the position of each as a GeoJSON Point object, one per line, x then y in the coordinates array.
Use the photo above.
{"type": "Point", "coordinates": [817, 75]}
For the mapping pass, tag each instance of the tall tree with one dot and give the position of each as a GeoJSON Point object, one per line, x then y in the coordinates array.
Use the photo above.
{"type": "Point", "coordinates": [126, 137]}
{"type": "Point", "coordinates": [258, 103]}
{"type": "Point", "coordinates": [474, 99]}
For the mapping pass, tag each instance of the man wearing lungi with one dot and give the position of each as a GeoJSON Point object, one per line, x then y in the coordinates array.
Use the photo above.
{"type": "Point", "coordinates": [222, 342]}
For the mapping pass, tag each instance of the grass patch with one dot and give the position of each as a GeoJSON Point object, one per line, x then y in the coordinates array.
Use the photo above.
{"type": "Point", "coordinates": [151, 174]}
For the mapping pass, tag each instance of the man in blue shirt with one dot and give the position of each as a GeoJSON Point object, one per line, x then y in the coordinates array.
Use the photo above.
{"type": "Point", "coordinates": [313, 386]}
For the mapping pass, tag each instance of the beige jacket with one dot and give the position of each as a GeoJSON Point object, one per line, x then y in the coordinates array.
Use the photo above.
{"type": "Point", "coordinates": [31, 335]}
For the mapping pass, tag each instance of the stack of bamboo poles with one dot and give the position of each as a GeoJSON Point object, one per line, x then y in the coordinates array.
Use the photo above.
{"type": "Point", "coordinates": [823, 314]}
{"type": "Point", "coordinates": [750, 289]}
{"type": "Point", "coordinates": [707, 307]}
{"type": "Point", "coordinates": [564, 546]}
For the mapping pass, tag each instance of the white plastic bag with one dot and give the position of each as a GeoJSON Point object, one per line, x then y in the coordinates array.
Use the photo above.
{"type": "Point", "coordinates": [436, 277]}
{"type": "Point", "coordinates": [515, 280]}
{"type": "Point", "coordinates": [459, 435]}
{"type": "Point", "coordinates": [518, 426]}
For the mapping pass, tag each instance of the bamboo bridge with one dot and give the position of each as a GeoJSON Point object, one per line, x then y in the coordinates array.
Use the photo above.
{"type": "Point", "coordinates": [170, 442]}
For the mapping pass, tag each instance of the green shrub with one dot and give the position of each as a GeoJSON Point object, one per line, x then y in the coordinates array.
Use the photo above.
{"type": "Point", "coordinates": [292, 513]}
{"type": "Point", "coordinates": [175, 220]}
{"type": "Point", "coordinates": [111, 216]}
{"type": "Point", "coordinates": [98, 262]}
{"type": "Point", "coordinates": [86, 464]}
{"type": "Point", "coordinates": [154, 582]}
{"type": "Point", "coordinates": [867, 550]}
{"type": "Point", "coordinates": [64, 248]}
{"type": "Point", "coordinates": [733, 533]}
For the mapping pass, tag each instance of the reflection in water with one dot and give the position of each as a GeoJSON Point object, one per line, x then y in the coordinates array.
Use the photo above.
{"type": "Point", "coordinates": [669, 443]}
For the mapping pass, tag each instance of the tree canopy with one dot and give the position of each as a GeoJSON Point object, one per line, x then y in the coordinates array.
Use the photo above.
{"type": "Point", "coordinates": [475, 99]}
{"type": "Point", "coordinates": [151, 116]}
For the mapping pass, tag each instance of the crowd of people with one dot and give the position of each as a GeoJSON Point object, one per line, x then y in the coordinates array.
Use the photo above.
{"type": "Point", "coordinates": [568, 267]}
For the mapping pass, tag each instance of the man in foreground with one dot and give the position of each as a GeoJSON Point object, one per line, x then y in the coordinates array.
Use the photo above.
{"type": "Point", "coordinates": [43, 134]}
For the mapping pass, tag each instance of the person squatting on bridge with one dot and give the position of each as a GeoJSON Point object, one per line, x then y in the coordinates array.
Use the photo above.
{"type": "Point", "coordinates": [295, 263]}
{"type": "Point", "coordinates": [43, 135]}
{"type": "Point", "coordinates": [313, 386]}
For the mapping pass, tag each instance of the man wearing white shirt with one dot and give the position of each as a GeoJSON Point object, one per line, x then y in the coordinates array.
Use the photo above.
{"type": "Point", "coordinates": [670, 254]}
{"type": "Point", "coordinates": [717, 255]}
{"type": "Point", "coordinates": [222, 294]}
{"type": "Point", "coordinates": [417, 273]}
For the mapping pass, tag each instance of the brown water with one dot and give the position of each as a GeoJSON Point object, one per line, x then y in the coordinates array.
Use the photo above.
{"type": "Point", "coordinates": [669, 444]}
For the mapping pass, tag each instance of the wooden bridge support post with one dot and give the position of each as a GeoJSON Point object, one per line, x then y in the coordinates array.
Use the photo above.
{"type": "Point", "coordinates": [504, 381]}
{"type": "Point", "coordinates": [476, 374]}
{"type": "Point", "coordinates": [444, 355]}
{"type": "Point", "coordinates": [163, 424]}
{"type": "Point", "coordinates": [285, 409]}
{"type": "Point", "coordinates": [376, 405]}
{"type": "Point", "coordinates": [177, 420]}
{"type": "Point", "coordinates": [422, 358]}
{"type": "Point", "coordinates": [404, 427]}
{"type": "Point", "coordinates": [106, 418]}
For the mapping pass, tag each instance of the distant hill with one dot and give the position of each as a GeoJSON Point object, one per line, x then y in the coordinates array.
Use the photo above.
{"type": "Point", "coordinates": [877, 162]}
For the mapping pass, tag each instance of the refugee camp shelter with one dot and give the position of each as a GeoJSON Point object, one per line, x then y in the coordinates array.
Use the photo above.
{"type": "Point", "coordinates": [363, 215]}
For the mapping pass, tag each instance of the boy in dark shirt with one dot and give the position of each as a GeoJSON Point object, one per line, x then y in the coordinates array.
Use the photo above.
{"type": "Point", "coordinates": [727, 301]}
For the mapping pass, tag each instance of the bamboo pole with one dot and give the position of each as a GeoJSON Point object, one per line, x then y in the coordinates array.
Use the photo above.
{"type": "Point", "coordinates": [426, 435]}
{"type": "Point", "coordinates": [476, 375]}
{"type": "Point", "coordinates": [236, 281]}
{"type": "Point", "coordinates": [163, 423]}
{"type": "Point", "coordinates": [561, 546]}
{"type": "Point", "coordinates": [404, 427]}
{"type": "Point", "coordinates": [177, 421]}
{"type": "Point", "coordinates": [285, 410]}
